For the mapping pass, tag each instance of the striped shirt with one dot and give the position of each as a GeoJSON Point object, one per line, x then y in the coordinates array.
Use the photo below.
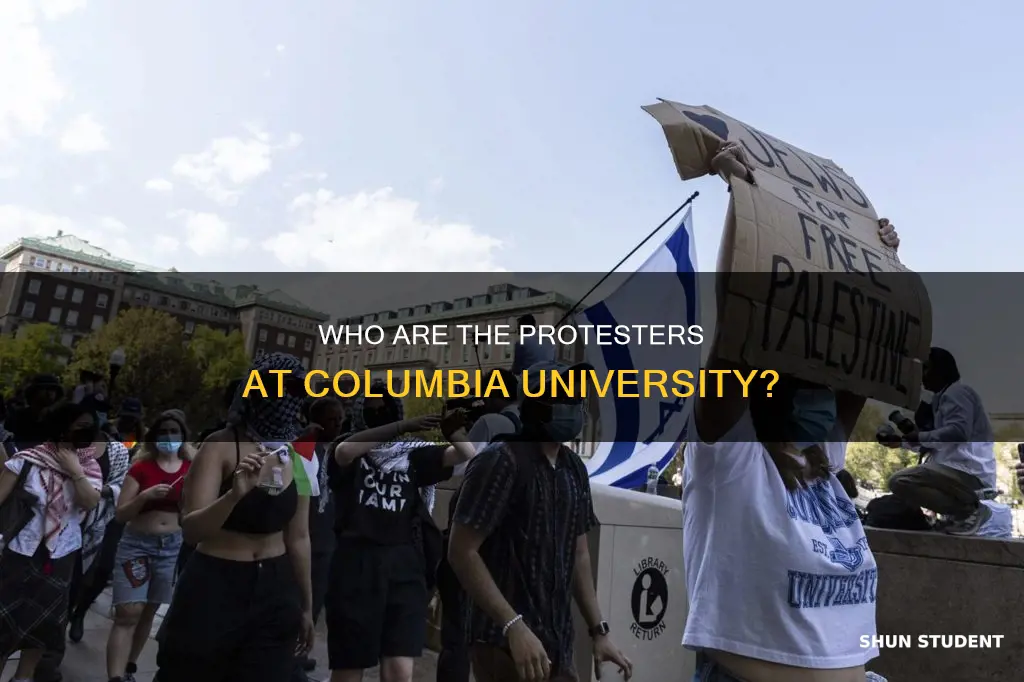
{"type": "Point", "coordinates": [532, 514]}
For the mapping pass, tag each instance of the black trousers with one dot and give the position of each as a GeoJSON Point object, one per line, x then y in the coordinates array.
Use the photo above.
{"type": "Point", "coordinates": [320, 573]}
{"type": "Point", "coordinates": [231, 621]}
{"type": "Point", "coordinates": [453, 663]}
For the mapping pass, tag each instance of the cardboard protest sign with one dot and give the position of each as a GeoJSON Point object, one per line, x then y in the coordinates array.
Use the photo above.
{"type": "Point", "coordinates": [833, 304]}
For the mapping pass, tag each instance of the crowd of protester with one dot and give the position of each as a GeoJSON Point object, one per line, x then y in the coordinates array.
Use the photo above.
{"type": "Point", "coordinates": [290, 507]}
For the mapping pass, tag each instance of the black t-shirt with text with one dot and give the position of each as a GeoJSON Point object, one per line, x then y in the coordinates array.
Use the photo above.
{"type": "Point", "coordinates": [379, 506]}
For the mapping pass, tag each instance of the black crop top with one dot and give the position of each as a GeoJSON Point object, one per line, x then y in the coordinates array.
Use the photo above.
{"type": "Point", "coordinates": [259, 512]}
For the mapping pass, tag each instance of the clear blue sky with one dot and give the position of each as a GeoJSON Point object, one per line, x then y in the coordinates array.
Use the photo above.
{"type": "Point", "coordinates": [510, 134]}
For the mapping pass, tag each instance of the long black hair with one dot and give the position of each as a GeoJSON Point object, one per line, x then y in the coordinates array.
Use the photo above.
{"type": "Point", "coordinates": [58, 418]}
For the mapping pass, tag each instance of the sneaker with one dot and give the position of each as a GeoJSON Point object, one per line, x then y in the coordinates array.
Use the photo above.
{"type": "Point", "coordinates": [972, 524]}
{"type": "Point", "coordinates": [129, 672]}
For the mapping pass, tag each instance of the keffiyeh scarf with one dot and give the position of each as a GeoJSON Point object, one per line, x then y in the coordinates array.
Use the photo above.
{"type": "Point", "coordinates": [393, 456]}
{"type": "Point", "coordinates": [273, 422]}
{"type": "Point", "coordinates": [271, 419]}
{"type": "Point", "coordinates": [95, 524]}
{"type": "Point", "coordinates": [53, 477]}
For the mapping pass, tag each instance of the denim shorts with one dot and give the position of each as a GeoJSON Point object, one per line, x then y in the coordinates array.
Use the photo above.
{"type": "Point", "coordinates": [144, 568]}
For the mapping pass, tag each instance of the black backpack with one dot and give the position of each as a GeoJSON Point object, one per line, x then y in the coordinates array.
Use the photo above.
{"type": "Point", "coordinates": [889, 511]}
{"type": "Point", "coordinates": [17, 510]}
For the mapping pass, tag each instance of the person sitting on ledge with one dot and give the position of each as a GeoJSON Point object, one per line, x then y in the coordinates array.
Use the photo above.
{"type": "Point", "coordinates": [961, 459]}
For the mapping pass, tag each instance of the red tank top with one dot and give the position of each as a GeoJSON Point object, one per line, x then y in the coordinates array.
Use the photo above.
{"type": "Point", "coordinates": [148, 474]}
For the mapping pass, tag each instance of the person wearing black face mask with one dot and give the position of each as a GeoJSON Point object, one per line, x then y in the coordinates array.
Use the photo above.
{"type": "Point", "coordinates": [519, 545]}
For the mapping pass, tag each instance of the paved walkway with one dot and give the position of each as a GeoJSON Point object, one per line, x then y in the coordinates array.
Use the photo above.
{"type": "Point", "coordinates": [85, 661]}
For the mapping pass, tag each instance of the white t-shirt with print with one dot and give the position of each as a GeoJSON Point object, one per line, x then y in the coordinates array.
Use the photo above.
{"type": "Point", "coordinates": [775, 575]}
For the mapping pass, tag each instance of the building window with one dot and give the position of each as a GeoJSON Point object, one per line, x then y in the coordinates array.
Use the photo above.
{"type": "Point", "coordinates": [72, 318]}
{"type": "Point", "coordinates": [447, 354]}
{"type": "Point", "coordinates": [61, 292]}
{"type": "Point", "coordinates": [487, 351]}
{"type": "Point", "coordinates": [389, 354]}
{"type": "Point", "coordinates": [305, 363]}
{"type": "Point", "coordinates": [260, 351]}
{"type": "Point", "coordinates": [291, 341]}
{"type": "Point", "coordinates": [101, 300]}
{"type": "Point", "coordinates": [28, 309]}
{"type": "Point", "coordinates": [55, 314]}
{"type": "Point", "coordinates": [67, 340]}
{"type": "Point", "coordinates": [280, 338]}
{"type": "Point", "coordinates": [77, 295]}
{"type": "Point", "coordinates": [369, 357]}
{"type": "Point", "coordinates": [163, 300]}
{"type": "Point", "coordinates": [465, 353]}
{"type": "Point", "coordinates": [97, 322]}
{"type": "Point", "coordinates": [406, 352]}
{"type": "Point", "coordinates": [34, 285]}
{"type": "Point", "coordinates": [308, 345]}
{"type": "Point", "coordinates": [423, 352]}
{"type": "Point", "coordinates": [190, 327]}
{"type": "Point", "coordinates": [263, 336]}
{"type": "Point", "coordinates": [508, 351]}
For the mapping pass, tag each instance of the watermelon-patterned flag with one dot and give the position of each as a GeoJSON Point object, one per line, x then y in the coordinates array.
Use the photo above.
{"type": "Point", "coordinates": [305, 467]}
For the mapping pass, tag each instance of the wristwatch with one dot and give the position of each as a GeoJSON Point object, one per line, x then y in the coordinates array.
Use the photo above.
{"type": "Point", "coordinates": [600, 630]}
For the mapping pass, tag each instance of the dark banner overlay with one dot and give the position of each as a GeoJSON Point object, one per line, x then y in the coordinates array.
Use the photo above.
{"type": "Point", "coordinates": [187, 338]}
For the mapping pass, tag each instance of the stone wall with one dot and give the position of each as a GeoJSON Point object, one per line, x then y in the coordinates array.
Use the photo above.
{"type": "Point", "coordinates": [933, 584]}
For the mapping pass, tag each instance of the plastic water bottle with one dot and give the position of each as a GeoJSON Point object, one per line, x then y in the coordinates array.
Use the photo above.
{"type": "Point", "coordinates": [652, 480]}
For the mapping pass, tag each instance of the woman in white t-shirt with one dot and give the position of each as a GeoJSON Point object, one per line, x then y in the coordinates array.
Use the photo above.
{"type": "Point", "coordinates": [780, 578]}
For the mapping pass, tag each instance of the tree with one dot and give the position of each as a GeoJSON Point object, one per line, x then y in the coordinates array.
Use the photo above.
{"type": "Point", "coordinates": [868, 460]}
{"type": "Point", "coordinates": [36, 349]}
{"type": "Point", "coordinates": [159, 370]}
{"type": "Point", "coordinates": [220, 357]}
{"type": "Point", "coordinates": [420, 406]}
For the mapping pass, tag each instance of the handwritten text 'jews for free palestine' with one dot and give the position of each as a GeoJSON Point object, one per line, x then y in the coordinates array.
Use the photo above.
{"type": "Point", "coordinates": [459, 383]}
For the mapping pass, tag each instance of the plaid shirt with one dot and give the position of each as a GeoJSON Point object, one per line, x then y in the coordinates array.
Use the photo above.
{"type": "Point", "coordinates": [530, 549]}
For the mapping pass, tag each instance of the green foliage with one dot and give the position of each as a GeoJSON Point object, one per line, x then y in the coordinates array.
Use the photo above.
{"type": "Point", "coordinates": [421, 406]}
{"type": "Point", "coordinates": [220, 357]}
{"type": "Point", "coordinates": [159, 369]}
{"type": "Point", "coordinates": [36, 349]}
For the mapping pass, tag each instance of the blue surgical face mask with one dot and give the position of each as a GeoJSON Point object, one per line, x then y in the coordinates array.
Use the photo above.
{"type": "Point", "coordinates": [566, 422]}
{"type": "Point", "coordinates": [813, 417]}
{"type": "Point", "coordinates": [168, 447]}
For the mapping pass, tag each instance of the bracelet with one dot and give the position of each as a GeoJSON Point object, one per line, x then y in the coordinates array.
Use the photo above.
{"type": "Point", "coordinates": [508, 625]}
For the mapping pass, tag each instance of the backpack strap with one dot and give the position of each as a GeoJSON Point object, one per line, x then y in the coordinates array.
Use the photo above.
{"type": "Point", "coordinates": [23, 476]}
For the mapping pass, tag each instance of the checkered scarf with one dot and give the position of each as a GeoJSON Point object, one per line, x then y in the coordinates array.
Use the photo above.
{"type": "Point", "coordinates": [271, 419]}
{"type": "Point", "coordinates": [392, 456]}
{"type": "Point", "coordinates": [53, 477]}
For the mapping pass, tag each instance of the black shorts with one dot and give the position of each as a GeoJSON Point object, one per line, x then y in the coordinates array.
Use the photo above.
{"type": "Point", "coordinates": [376, 605]}
{"type": "Point", "coordinates": [231, 620]}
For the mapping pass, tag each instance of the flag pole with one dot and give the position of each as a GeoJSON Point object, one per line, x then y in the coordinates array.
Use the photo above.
{"type": "Point", "coordinates": [618, 265]}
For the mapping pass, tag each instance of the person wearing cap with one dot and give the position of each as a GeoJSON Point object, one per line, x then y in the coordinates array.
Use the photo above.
{"type": "Point", "coordinates": [519, 543]}
{"type": "Point", "coordinates": [129, 422]}
{"type": "Point", "coordinates": [26, 424]}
